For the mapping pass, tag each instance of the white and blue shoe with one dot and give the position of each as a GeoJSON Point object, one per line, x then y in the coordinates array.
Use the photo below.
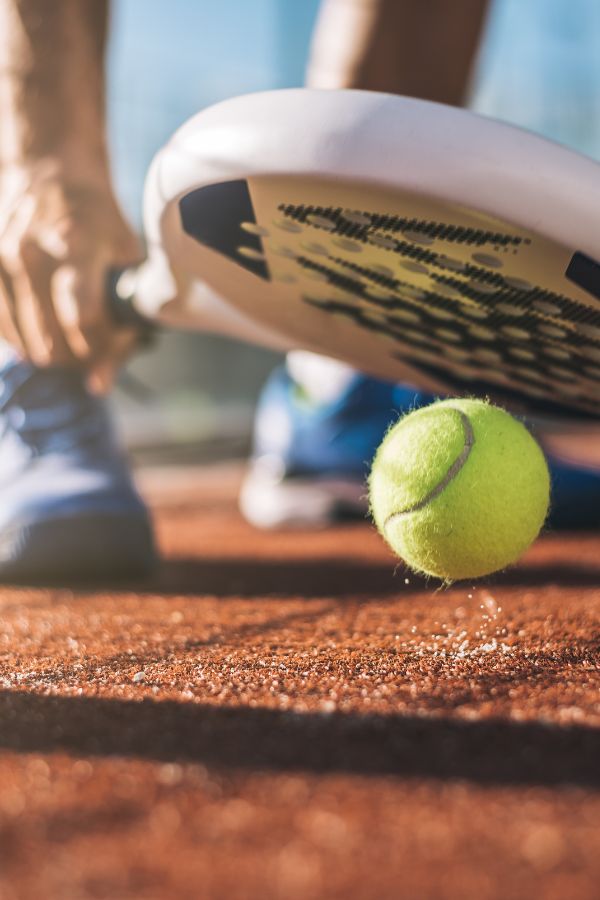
{"type": "Point", "coordinates": [313, 448]}
{"type": "Point", "coordinates": [313, 443]}
{"type": "Point", "coordinates": [68, 507]}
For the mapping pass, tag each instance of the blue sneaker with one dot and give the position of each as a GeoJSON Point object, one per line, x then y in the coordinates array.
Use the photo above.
{"type": "Point", "coordinates": [68, 508]}
{"type": "Point", "coordinates": [310, 460]}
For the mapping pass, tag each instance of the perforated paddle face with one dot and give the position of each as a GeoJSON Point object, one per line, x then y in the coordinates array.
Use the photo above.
{"type": "Point", "coordinates": [457, 299]}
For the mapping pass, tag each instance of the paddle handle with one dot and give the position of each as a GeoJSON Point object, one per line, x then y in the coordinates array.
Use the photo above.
{"type": "Point", "coordinates": [120, 299]}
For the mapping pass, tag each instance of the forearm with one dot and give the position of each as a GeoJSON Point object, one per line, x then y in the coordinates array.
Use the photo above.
{"type": "Point", "coordinates": [52, 95]}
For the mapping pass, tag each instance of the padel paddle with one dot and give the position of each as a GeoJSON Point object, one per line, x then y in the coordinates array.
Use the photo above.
{"type": "Point", "coordinates": [421, 243]}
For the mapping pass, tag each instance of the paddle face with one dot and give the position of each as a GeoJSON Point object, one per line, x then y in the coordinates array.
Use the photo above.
{"type": "Point", "coordinates": [411, 288]}
{"type": "Point", "coordinates": [418, 242]}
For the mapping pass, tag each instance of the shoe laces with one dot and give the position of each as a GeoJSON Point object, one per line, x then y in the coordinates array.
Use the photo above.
{"type": "Point", "coordinates": [50, 410]}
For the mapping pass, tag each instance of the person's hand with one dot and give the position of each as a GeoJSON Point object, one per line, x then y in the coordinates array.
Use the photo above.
{"type": "Point", "coordinates": [59, 236]}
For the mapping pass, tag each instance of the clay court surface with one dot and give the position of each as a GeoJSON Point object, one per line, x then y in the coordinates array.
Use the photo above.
{"type": "Point", "coordinates": [285, 716]}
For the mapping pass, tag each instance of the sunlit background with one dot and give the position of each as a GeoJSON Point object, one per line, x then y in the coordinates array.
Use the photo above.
{"type": "Point", "coordinates": [539, 67]}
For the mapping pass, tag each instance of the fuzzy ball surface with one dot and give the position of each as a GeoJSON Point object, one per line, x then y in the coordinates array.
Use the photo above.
{"type": "Point", "coordinates": [459, 489]}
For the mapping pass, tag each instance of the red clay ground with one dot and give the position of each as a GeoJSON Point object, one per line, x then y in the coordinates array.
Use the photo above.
{"type": "Point", "coordinates": [280, 716]}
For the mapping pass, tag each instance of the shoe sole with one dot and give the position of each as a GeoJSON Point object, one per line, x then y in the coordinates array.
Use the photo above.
{"type": "Point", "coordinates": [69, 549]}
{"type": "Point", "coordinates": [301, 503]}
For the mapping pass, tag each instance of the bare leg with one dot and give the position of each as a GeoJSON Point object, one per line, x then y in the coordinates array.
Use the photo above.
{"type": "Point", "coordinates": [421, 48]}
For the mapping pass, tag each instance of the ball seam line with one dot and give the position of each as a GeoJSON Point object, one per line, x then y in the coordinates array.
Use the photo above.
{"type": "Point", "coordinates": [469, 440]}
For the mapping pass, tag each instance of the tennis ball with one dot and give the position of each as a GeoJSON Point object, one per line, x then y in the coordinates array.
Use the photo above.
{"type": "Point", "coordinates": [459, 489]}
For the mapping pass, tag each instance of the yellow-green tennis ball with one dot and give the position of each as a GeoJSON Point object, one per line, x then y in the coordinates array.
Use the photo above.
{"type": "Point", "coordinates": [459, 489]}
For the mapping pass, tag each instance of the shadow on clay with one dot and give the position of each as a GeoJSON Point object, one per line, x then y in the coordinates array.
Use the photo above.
{"type": "Point", "coordinates": [331, 577]}
{"type": "Point", "coordinates": [491, 752]}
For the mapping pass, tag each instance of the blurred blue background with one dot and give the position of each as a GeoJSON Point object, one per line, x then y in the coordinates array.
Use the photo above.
{"type": "Point", "coordinates": [539, 67]}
